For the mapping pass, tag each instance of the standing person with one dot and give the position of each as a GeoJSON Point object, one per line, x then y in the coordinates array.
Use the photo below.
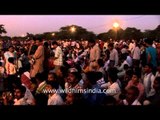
{"type": "Point", "coordinates": [38, 58]}
{"type": "Point", "coordinates": [58, 56]}
{"type": "Point", "coordinates": [151, 54]}
{"type": "Point", "coordinates": [32, 48]}
{"type": "Point", "coordinates": [113, 57]}
{"type": "Point", "coordinates": [11, 72]}
{"type": "Point", "coordinates": [148, 81]}
{"type": "Point", "coordinates": [136, 53]}
{"type": "Point", "coordinates": [9, 53]}
{"type": "Point", "coordinates": [46, 58]}
{"type": "Point", "coordinates": [23, 58]}
{"type": "Point", "coordinates": [94, 54]}
{"type": "Point", "coordinates": [158, 53]}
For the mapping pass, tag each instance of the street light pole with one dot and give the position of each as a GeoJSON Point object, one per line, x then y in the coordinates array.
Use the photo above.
{"type": "Point", "coordinates": [53, 34]}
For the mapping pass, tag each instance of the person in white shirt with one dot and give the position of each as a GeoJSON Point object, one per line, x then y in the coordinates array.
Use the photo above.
{"type": "Point", "coordinates": [113, 55]}
{"type": "Point", "coordinates": [105, 46]}
{"type": "Point", "coordinates": [131, 97]}
{"type": "Point", "coordinates": [129, 60]}
{"type": "Point", "coordinates": [136, 53]}
{"type": "Point", "coordinates": [28, 96]}
{"type": "Point", "coordinates": [121, 74]}
{"type": "Point", "coordinates": [9, 53]}
{"type": "Point", "coordinates": [121, 67]}
{"type": "Point", "coordinates": [124, 49]}
{"type": "Point", "coordinates": [131, 45]}
{"type": "Point", "coordinates": [58, 55]}
{"type": "Point", "coordinates": [94, 55]}
{"type": "Point", "coordinates": [112, 87]}
{"type": "Point", "coordinates": [54, 98]}
{"type": "Point", "coordinates": [148, 80]}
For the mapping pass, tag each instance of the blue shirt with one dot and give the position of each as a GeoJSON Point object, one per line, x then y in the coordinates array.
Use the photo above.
{"type": "Point", "coordinates": [94, 98]}
{"type": "Point", "coordinates": [152, 51]}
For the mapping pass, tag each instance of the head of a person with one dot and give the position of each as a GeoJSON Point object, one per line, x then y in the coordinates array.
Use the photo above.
{"type": "Point", "coordinates": [17, 82]}
{"type": "Point", "coordinates": [21, 51]}
{"type": "Point", "coordinates": [39, 77]}
{"type": "Point", "coordinates": [54, 44]}
{"type": "Point", "coordinates": [92, 77]}
{"type": "Point", "coordinates": [11, 59]}
{"type": "Point", "coordinates": [156, 84]}
{"type": "Point", "coordinates": [128, 75]}
{"type": "Point", "coordinates": [148, 42]}
{"type": "Point", "coordinates": [135, 78]}
{"type": "Point", "coordinates": [19, 92]}
{"type": "Point", "coordinates": [132, 94]}
{"type": "Point", "coordinates": [38, 42]}
{"type": "Point", "coordinates": [51, 86]}
{"type": "Point", "coordinates": [148, 68]}
{"type": "Point", "coordinates": [61, 71]}
{"type": "Point", "coordinates": [69, 98]}
{"type": "Point", "coordinates": [137, 70]}
{"type": "Point", "coordinates": [46, 44]}
{"type": "Point", "coordinates": [110, 46]}
{"type": "Point", "coordinates": [92, 43]}
{"type": "Point", "coordinates": [73, 98]}
{"type": "Point", "coordinates": [73, 76]}
{"type": "Point", "coordinates": [32, 41]}
{"type": "Point", "coordinates": [51, 77]}
{"type": "Point", "coordinates": [100, 62]}
{"type": "Point", "coordinates": [126, 67]}
{"type": "Point", "coordinates": [112, 75]}
{"type": "Point", "coordinates": [27, 67]}
{"type": "Point", "coordinates": [11, 49]}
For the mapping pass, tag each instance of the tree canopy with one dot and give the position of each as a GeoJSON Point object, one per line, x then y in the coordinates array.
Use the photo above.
{"type": "Point", "coordinates": [75, 32]}
{"type": "Point", "coordinates": [2, 29]}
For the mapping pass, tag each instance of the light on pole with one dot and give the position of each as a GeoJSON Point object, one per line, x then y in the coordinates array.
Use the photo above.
{"type": "Point", "coordinates": [73, 30]}
{"type": "Point", "coordinates": [53, 34]}
{"type": "Point", "coordinates": [116, 25]}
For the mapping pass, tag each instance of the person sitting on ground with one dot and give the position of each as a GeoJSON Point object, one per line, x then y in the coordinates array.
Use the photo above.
{"type": "Point", "coordinates": [135, 81]}
{"type": "Point", "coordinates": [113, 86]}
{"type": "Point", "coordinates": [53, 97]}
{"type": "Point", "coordinates": [19, 94]}
{"type": "Point", "coordinates": [40, 82]}
{"type": "Point", "coordinates": [94, 96]}
{"type": "Point", "coordinates": [155, 99]}
{"type": "Point", "coordinates": [131, 97]}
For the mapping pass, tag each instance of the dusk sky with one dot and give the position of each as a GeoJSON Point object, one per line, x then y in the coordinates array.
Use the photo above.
{"type": "Point", "coordinates": [17, 25]}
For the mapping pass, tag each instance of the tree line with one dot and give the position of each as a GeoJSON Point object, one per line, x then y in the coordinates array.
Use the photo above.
{"type": "Point", "coordinates": [81, 33]}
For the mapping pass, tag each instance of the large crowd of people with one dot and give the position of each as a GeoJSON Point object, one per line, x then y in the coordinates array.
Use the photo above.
{"type": "Point", "coordinates": [121, 72]}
